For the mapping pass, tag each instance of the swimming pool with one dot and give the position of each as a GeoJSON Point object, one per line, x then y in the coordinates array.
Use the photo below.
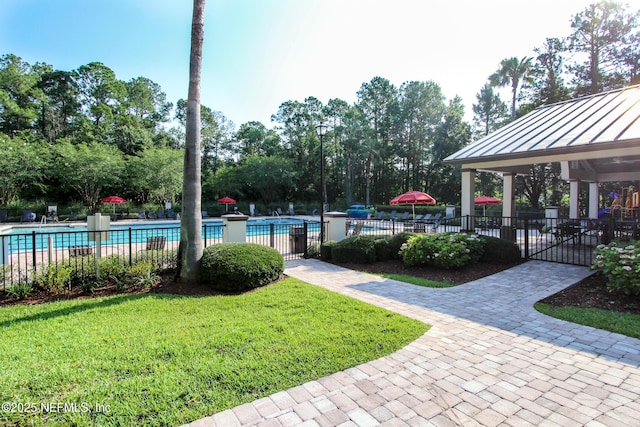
{"type": "Point", "coordinates": [20, 239]}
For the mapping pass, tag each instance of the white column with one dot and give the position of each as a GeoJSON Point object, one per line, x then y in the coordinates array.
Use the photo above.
{"type": "Point", "coordinates": [574, 192]}
{"type": "Point", "coordinates": [508, 192]}
{"type": "Point", "coordinates": [336, 225]}
{"type": "Point", "coordinates": [235, 228]}
{"type": "Point", "coordinates": [593, 199]}
{"type": "Point", "coordinates": [468, 192]}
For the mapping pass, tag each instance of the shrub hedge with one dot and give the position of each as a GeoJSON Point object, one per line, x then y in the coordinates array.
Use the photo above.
{"type": "Point", "coordinates": [499, 251]}
{"type": "Point", "coordinates": [357, 249]}
{"type": "Point", "coordinates": [236, 267]}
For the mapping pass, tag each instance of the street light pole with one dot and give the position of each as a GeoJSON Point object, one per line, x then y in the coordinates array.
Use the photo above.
{"type": "Point", "coordinates": [321, 129]}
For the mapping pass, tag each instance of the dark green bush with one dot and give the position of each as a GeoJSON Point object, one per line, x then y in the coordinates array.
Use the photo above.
{"type": "Point", "coordinates": [358, 249]}
{"type": "Point", "coordinates": [235, 267]}
{"type": "Point", "coordinates": [325, 250]}
{"type": "Point", "coordinates": [383, 249]}
{"type": "Point", "coordinates": [499, 251]}
{"type": "Point", "coordinates": [396, 241]}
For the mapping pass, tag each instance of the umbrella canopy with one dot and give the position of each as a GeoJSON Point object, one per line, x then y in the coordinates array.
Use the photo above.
{"type": "Point", "coordinates": [413, 198]}
{"type": "Point", "coordinates": [114, 200]}
{"type": "Point", "coordinates": [486, 200]}
{"type": "Point", "coordinates": [226, 201]}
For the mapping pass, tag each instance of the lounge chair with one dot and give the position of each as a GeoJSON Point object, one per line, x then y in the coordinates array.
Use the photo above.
{"type": "Point", "coordinates": [73, 216]}
{"type": "Point", "coordinates": [171, 214]}
{"type": "Point", "coordinates": [292, 212]}
{"type": "Point", "coordinates": [156, 243]}
{"type": "Point", "coordinates": [379, 216]}
{"type": "Point", "coordinates": [314, 212]}
{"type": "Point", "coordinates": [152, 215]}
{"type": "Point", "coordinates": [357, 228]}
{"type": "Point", "coordinates": [142, 215]}
{"type": "Point", "coordinates": [405, 216]}
{"type": "Point", "coordinates": [393, 216]}
{"type": "Point", "coordinates": [280, 212]}
{"type": "Point", "coordinates": [28, 216]}
{"type": "Point", "coordinates": [161, 214]}
{"type": "Point", "coordinates": [3, 215]}
{"type": "Point", "coordinates": [269, 212]}
{"type": "Point", "coordinates": [205, 214]}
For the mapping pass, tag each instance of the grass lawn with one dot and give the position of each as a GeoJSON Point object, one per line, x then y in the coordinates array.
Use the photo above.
{"type": "Point", "coordinates": [158, 359]}
{"type": "Point", "coordinates": [417, 280]}
{"type": "Point", "coordinates": [612, 321]}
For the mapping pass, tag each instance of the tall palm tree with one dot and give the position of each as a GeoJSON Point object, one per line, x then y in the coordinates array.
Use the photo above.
{"type": "Point", "coordinates": [190, 251]}
{"type": "Point", "coordinates": [511, 72]}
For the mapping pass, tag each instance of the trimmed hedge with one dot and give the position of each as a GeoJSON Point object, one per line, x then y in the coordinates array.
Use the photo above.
{"type": "Point", "coordinates": [358, 249]}
{"type": "Point", "coordinates": [499, 251]}
{"type": "Point", "coordinates": [396, 241]}
{"type": "Point", "coordinates": [236, 267]}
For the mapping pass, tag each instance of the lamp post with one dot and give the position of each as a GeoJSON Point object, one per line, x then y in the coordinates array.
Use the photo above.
{"type": "Point", "coordinates": [321, 129]}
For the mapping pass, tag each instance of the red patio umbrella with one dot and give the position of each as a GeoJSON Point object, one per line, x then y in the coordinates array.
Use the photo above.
{"type": "Point", "coordinates": [114, 200]}
{"type": "Point", "coordinates": [413, 198]}
{"type": "Point", "coordinates": [226, 201]}
{"type": "Point", "coordinates": [486, 200]}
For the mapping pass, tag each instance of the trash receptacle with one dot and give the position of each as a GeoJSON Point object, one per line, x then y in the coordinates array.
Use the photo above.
{"type": "Point", "coordinates": [296, 239]}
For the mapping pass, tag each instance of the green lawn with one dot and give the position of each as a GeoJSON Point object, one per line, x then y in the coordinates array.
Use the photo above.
{"type": "Point", "coordinates": [166, 360]}
{"type": "Point", "coordinates": [612, 321]}
{"type": "Point", "coordinates": [419, 281]}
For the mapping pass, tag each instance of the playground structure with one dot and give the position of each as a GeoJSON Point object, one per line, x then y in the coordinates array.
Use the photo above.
{"type": "Point", "coordinates": [624, 206]}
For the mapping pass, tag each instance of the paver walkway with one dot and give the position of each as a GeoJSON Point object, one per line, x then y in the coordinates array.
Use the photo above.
{"type": "Point", "coordinates": [489, 360]}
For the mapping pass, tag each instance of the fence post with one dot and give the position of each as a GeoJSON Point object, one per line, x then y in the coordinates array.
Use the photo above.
{"type": "Point", "coordinates": [130, 248]}
{"type": "Point", "coordinates": [336, 226]}
{"type": "Point", "coordinates": [204, 226]}
{"type": "Point", "coordinates": [526, 238]}
{"type": "Point", "coordinates": [33, 249]}
{"type": "Point", "coordinates": [272, 235]}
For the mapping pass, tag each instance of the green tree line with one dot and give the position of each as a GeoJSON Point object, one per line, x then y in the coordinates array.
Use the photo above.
{"type": "Point", "coordinates": [83, 134]}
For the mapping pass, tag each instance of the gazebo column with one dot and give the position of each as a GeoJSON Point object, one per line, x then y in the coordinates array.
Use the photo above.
{"type": "Point", "coordinates": [593, 200]}
{"type": "Point", "coordinates": [468, 193]}
{"type": "Point", "coordinates": [574, 192]}
{"type": "Point", "coordinates": [506, 231]}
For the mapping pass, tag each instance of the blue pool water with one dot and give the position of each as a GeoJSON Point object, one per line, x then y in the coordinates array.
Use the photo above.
{"type": "Point", "coordinates": [21, 239]}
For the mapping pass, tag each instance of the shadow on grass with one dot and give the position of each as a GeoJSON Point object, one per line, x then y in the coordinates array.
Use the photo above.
{"type": "Point", "coordinates": [90, 304]}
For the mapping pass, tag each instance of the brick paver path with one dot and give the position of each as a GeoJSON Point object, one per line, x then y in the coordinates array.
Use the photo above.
{"type": "Point", "coordinates": [489, 360]}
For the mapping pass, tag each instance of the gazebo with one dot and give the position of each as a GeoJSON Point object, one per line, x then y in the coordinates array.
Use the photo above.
{"type": "Point", "coordinates": [595, 139]}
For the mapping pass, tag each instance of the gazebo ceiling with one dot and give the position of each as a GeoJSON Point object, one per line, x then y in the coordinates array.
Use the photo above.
{"type": "Point", "coordinates": [596, 138]}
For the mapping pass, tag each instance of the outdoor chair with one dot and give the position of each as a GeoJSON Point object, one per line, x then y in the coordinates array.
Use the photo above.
{"type": "Point", "coordinates": [77, 251]}
{"type": "Point", "coordinates": [28, 216]}
{"type": "Point", "coordinates": [405, 216]}
{"type": "Point", "coordinates": [392, 216]}
{"type": "Point", "coordinates": [152, 215]}
{"type": "Point", "coordinates": [73, 216]}
{"type": "Point", "coordinates": [314, 212]}
{"type": "Point", "coordinates": [379, 216]}
{"type": "Point", "coordinates": [171, 214]}
{"type": "Point", "coordinates": [3, 215]}
{"type": "Point", "coordinates": [279, 212]}
{"type": "Point", "coordinates": [205, 214]}
{"type": "Point", "coordinates": [357, 228]}
{"type": "Point", "coordinates": [156, 243]}
{"type": "Point", "coordinates": [292, 212]}
{"type": "Point", "coordinates": [142, 215]}
{"type": "Point", "coordinates": [161, 214]}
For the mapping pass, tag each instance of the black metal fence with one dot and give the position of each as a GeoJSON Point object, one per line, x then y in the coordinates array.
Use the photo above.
{"type": "Point", "coordinates": [23, 255]}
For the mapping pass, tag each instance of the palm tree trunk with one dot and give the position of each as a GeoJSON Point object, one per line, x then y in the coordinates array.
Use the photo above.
{"type": "Point", "coordinates": [191, 220]}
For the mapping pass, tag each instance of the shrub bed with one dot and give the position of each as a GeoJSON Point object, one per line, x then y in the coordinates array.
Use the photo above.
{"type": "Point", "coordinates": [357, 249]}
{"type": "Point", "coordinates": [499, 251]}
{"type": "Point", "coordinates": [445, 250]}
{"type": "Point", "coordinates": [620, 263]}
{"type": "Point", "coordinates": [236, 267]}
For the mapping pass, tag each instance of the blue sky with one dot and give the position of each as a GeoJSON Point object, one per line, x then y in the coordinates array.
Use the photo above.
{"type": "Point", "coordinates": [261, 53]}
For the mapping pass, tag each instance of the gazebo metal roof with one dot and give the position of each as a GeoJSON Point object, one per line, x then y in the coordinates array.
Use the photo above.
{"type": "Point", "coordinates": [600, 132]}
